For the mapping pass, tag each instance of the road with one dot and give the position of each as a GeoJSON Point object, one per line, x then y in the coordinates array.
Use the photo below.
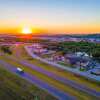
{"type": "Point", "coordinates": [52, 90]}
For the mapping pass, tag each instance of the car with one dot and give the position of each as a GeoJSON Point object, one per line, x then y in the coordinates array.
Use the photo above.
{"type": "Point", "coordinates": [96, 71]}
{"type": "Point", "coordinates": [20, 71]}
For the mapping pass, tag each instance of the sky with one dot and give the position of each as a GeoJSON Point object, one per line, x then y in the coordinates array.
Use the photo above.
{"type": "Point", "coordinates": [52, 16]}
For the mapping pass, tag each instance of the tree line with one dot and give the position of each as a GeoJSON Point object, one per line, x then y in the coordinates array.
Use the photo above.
{"type": "Point", "coordinates": [72, 47]}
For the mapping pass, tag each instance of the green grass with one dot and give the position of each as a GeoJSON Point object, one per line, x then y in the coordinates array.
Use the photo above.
{"type": "Point", "coordinates": [12, 87]}
{"type": "Point", "coordinates": [82, 69]}
{"type": "Point", "coordinates": [65, 64]}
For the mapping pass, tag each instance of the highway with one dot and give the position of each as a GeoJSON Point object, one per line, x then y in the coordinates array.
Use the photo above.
{"type": "Point", "coordinates": [52, 90]}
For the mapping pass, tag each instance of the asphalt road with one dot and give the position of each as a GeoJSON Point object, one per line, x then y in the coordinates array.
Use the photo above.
{"type": "Point", "coordinates": [52, 90]}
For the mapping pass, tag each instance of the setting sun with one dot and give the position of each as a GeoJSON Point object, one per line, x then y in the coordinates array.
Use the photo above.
{"type": "Point", "coordinates": [26, 30]}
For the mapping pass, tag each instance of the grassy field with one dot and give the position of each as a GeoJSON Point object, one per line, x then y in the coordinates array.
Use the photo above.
{"type": "Point", "coordinates": [14, 88]}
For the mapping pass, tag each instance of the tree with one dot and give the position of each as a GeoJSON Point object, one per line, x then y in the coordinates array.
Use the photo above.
{"type": "Point", "coordinates": [96, 56]}
{"type": "Point", "coordinates": [6, 49]}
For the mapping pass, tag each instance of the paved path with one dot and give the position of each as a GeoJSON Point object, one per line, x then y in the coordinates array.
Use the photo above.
{"type": "Point", "coordinates": [38, 82]}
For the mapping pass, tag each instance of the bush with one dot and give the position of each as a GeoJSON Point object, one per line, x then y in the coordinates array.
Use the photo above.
{"type": "Point", "coordinates": [6, 49]}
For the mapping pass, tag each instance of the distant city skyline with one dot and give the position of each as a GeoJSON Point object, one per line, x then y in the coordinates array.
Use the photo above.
{"type": "Point", "coordinates": [50, 16]}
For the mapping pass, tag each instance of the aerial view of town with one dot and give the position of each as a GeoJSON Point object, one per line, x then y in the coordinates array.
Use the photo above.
{"type": "Point", "coordinates": [49, 49]}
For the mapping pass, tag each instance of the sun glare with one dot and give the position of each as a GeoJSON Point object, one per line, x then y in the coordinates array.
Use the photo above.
{"type": "Point", "coordinates": [26, 30]}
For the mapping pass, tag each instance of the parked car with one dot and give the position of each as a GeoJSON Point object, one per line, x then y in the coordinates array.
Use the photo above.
{"type": "Point", "coordinates": [96, 71]}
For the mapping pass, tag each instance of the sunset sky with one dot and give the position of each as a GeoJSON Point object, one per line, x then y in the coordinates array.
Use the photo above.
{"type": "Point", "coordinates": [52, 16]}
